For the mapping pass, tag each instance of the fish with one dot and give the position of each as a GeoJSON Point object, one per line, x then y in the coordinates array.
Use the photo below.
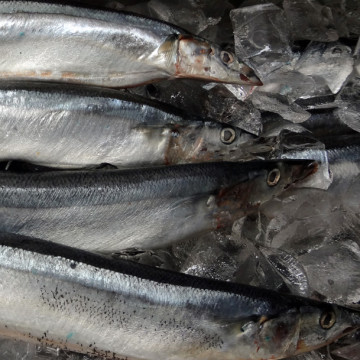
{"type": "Point", "coordinates": [110, 210]}
{"type": "Point", "coordinates": [74, 300]}
{"type": "Point", "coordinates": [67, 126]}
{"type": "Point", "coordinates": [75, 44]}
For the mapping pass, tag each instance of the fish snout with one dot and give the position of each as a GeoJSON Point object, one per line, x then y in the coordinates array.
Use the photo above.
{"type": "Point", "coordinates": [247, 74]}
{"type": "Point", "coordinates": [304, 169]}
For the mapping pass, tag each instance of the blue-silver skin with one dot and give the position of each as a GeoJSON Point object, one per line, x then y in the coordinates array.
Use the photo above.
{"type": "Point", "coordinates": [109, 210]}
{"type": "Point", "coordinates": [67, 298]}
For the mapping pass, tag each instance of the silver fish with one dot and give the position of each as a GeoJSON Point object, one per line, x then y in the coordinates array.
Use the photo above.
{"type": "Point", "coordinates": [110, 210]}
{"type": "Point", "coordinates": [74, 127]}
{"type": "Point", "coordinates": [66, 298]}
{"type": "Point", "coordinates": [100, 47]}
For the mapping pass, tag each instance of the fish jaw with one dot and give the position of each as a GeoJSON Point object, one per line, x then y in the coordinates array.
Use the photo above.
{"type": "Point", "coordinates": [262, 185]}
{"type": "Point", "coordinates": [303, 170]}
{"type": "Point", "coordinates": [321, 326]}
{"type": "Point", "coordinates": [197, 58]}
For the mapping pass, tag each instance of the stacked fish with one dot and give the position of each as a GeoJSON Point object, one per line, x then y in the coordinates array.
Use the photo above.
{"type": "Point", "coordinates": [128, 172]}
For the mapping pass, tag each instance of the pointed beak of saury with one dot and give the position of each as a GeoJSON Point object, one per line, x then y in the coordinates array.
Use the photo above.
{"type": "Point", "coordinates": [248, 75]}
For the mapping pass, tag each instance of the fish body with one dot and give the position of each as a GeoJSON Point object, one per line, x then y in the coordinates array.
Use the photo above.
{"type": "Point", "coordinates": [110, 210]}
{"type": "Point", "coordinates": [74, 127]}
{"type": "Point", "coordinates": [53, 42]}
{"type": "Point", "coordinates": [83, 302]}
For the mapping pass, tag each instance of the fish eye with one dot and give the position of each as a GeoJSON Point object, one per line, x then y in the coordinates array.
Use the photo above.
{"type": "Point", "coordinates": [273, 177]}
{"type": "Point", "coordinates": [327, 320]}
{"type": "Point", "coordinates": [226, 57]}
{"type": "Point", "coordinates": [227, 135]}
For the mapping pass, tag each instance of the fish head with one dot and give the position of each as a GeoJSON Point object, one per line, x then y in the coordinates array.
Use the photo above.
{"type": "Point", "coordinates": [210, 142]}
{"type": "Point", "coordinates": [280, 175]}
{"type": "Point", "coordinates": [197, 58]}
{"type": "Point", "coordinates": [259, 181]}
{"type": "Point", "coordinates": [294, 330]}
{"type": "Point", "coordinates": [322, 324]}
{"type": "Point", "coordinates": [267, 179]}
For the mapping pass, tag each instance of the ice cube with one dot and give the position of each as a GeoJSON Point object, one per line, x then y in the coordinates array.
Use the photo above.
{"type": "Point", "coordinates": [348, 102]}
{"type": "Point", "coordinates": [333, 270]}
{"type": "Point", "coordinates": [349, 114]}
{"type": "Point", "coordinates": [309, 20]}
{"type": "Point", "coordinates": [333, 62]}
{"type": "Point", "coordinates": [289, 83]}
{"type": "Point", "coordinates": [289, 268]}
{"type": "Point", "coordinates": [279, 104]}
{"type": "Point", "coordinates": [261, 35]}
{"type": "Point", "coordinates": [226, 258]}
{"type": "Point", "coordinates": [194, 16]}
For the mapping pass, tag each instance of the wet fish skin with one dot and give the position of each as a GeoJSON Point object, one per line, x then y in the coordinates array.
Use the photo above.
{"type": "Point", "coordinates": [105, 48]}
{"type": "Point", "coordinates": [89, 304]}
{"type": "Point", "coordinates": [110, 210]}
{"type": "Point", "coordinates": [88, 126]}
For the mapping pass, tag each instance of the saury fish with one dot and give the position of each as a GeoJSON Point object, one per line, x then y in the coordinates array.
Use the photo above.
{"type": "Point", "coordinates": [114, 49]}
{"type": "Point", "coordinates": [83, 302]}
{"type": "Point", "coordinates": [110, 210]}
{"type": "Point", "coordinates": [73, 127]}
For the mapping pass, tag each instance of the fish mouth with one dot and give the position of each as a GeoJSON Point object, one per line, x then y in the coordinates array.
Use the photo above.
{"type": "Point", "coordinates": [248, 75]}
{"type": "Point", "coordinates": [301, 169]}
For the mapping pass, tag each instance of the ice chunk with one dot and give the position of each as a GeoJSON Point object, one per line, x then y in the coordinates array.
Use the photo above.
{"type": "Point", "coordinates": [279, 104]}
{"type": "Point", "coordinates": [334, 270]}
{"type": "Point", "coordinates": [236, 259]}
{"type": "Point", "coordinates": [307, 218]}
{"type": "Point", "coordinates": [349, 114]}
{"type": "Point", "coordinates": [308, 20]}
{"type": "Point", "coordinates": [261, 34]}
{"type": "Point", "coordinates": [229, 110]}
{"type": "Point", "coordinates": [213, 101]}
{"type": "Point", "coordinates": [348, 101]}
{"type": "Point", "coordinates": [194, 16]}
{"type": "Point", "coordinates": [333, 62]}
{"type": "Point", "coordinates": [241, 92]}
{"type": "Point", "coordinates": [318, 97]}
{"type": "Point", "coordinates": [301, 220]}
{"type": "Point", "coordinates": [291, 84]}
{"type": "Point", "coordinates": [274, 125]}
{"type": "Point", "coordinates": [289, 268]}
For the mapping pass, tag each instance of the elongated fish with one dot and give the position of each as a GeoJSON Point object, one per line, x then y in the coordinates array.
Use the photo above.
{"type": "Point", "coordinates": [83, 302]}
{"type": "Point", "coordinates": [115, 49]}
{"type": "Point", "coordinates": [74, 127]}
{"type": "Point", "coordinates": [110, 210]}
